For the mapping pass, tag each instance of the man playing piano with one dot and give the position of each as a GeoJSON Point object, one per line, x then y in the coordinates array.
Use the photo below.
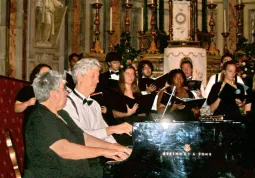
{"type": "Point", "coordinates": [85, 111]}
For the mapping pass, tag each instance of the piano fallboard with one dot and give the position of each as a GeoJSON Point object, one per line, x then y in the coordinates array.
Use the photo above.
{"type": "Point", "coordinates": [183, 149]}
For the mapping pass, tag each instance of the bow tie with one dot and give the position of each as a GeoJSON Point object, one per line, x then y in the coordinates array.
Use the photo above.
{"type": "Point", "coordinates": [89, 102]}
{"type": "Point", "coordinates": [116, 73]}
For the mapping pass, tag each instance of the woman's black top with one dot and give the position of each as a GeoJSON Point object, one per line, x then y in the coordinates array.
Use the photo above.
{"type": "Point", "coordinates": [25, 94]}
{"type": "Point", "coordinates": [43, 129]}
{"type": "Point", "coordinates": [227, 107]}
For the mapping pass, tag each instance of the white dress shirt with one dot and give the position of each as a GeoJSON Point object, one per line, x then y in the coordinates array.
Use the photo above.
{"type": "Point", "coordinates": [211, 82]}
{"type": "Point", "coordinates": [114, 76]}
{"type": "Point", "coordinates": [88, 118]}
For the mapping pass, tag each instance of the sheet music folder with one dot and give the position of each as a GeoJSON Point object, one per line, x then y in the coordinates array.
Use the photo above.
{"type": "Point", "coordinates": [194, 84]}
{"type": "Point", "coordinates": [188, 102]}
{"type": "Point", "coordinates": [98, 97]}
{"type": "Point", "coordinates": [158, 82]}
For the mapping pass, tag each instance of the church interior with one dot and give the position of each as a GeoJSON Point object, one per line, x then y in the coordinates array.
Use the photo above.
{"type": "Point", "coordinates": [167, 33]}
{"type": "Point", "coordinates": [78, 24]}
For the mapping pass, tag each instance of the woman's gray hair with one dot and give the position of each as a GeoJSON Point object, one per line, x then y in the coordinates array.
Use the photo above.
{"type": "Point", "coordinates": [45, 83]}
{"type": "Point", "coordinates": [83, 66]}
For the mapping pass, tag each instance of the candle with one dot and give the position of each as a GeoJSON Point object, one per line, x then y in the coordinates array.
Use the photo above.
{"type": "Point", "coordinates": [211, 1]}
{"type": "Point", "coordinates": [110, 18]}
{"type": "Point", "coordinates": [224, 21]}
{"type": "Point", "coordinates": [127, 2]}
{"type": "Point", "coordinates": [239, 1]}
{"type": "Point", "coordinates": [97, 1]}
{"type": "Point", "coordinates": [142, 19]}
{"type": "Point", "coordinates": [152, 1]}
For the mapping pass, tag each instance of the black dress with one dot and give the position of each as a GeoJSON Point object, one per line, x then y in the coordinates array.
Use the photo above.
{"type": "Point", "coordinates": [118, 102]}
{"type": "Point", "coordinates": [43, 129]}
{"type": "Point", "coordinates": [227, 107]}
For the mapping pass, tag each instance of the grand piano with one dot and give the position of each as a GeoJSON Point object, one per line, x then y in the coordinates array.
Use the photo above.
{"type": "Point", "coordinates": [184, 149]}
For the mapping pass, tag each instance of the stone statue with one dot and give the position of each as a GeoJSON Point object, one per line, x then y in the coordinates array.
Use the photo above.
{"type": "Point", "coordinates": [45, 10]}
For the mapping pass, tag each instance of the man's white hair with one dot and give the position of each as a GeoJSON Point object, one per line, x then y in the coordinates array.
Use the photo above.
{"type": "Point", "coordinates": [83, 66]}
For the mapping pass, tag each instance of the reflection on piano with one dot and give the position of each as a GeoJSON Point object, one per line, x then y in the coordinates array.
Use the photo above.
{"type": "Point", "coordinates": [183, 149]}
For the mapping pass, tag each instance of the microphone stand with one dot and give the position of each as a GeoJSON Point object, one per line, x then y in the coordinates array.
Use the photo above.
{"type": "Point", "coordinates": [169, 101]}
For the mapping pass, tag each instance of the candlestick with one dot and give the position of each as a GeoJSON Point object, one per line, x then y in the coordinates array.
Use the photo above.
{"type": "Point", "coordinates": [212, 48]}
{"type": "Point", "coordinates": [110, 18]}
{"type": "Point", "coordinates": [141, 33]}
{"type": "Point", "coordinates": [153, 47]}
{"type": "Point", "coordinates": [239, 9]}
{"type": "Point", "coordinates": [224, 21]}
{"type": "Point", "coordinates": [127, 19]}
{"type": "Point", "coordinates": [170, 21]}
{"type": "Point", "coordinates": [96, 48]}
{"type": "Point", "coordinates": [110, 33]}
{"type": "Point", "coordinates": [142, 19]}
{"type": "Point", "coordinates": [225, 48]}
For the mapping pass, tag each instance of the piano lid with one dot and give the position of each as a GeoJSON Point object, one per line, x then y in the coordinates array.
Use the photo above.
{"type": "Point", "coordinates": [182, 149]}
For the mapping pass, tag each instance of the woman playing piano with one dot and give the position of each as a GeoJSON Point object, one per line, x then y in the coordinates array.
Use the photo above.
{"type": "Point", "coordinates": [177, 78]}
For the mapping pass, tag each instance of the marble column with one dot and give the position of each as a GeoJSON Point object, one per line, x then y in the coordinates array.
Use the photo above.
{"type": "Point", "coordinates": [24, 44]}
{"type": "Point", "coordinates": [3, 36]}
{"type": "Point", "coordinates": [116, 21]}
{"type": "Point", "coordinates": [232, 25]}
{"type": "Point", "coordinates": [76, 26]}
{"type": "Point", "coordinates": [12, 39]}
{"type": "Point", "coordinates": [19, 39]}
{"type": "Point", "coordinates": [83, 25]}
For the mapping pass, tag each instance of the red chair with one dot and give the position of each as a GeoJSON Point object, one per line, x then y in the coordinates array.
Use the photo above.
{"type": "Point", "coordinates": [10, 122]}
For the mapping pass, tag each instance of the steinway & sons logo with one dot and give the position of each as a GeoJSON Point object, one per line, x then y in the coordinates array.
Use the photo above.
{"type": "Point", "coordinates": [187, 152]}
{"type": "Point", "coordinates": [187, 147]}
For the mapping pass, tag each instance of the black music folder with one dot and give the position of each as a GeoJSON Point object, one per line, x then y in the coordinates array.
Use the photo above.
{"type": "Point", "coordinates": [194, 84]}
{"type": "Point", "coordinates": [188, 102]}
{"type": "Point", "coordinates": [113, 84]}
{"type": "Point", "coordinates": [98, 97]}
{"type": "Point", "coordinates": [158, 82]}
